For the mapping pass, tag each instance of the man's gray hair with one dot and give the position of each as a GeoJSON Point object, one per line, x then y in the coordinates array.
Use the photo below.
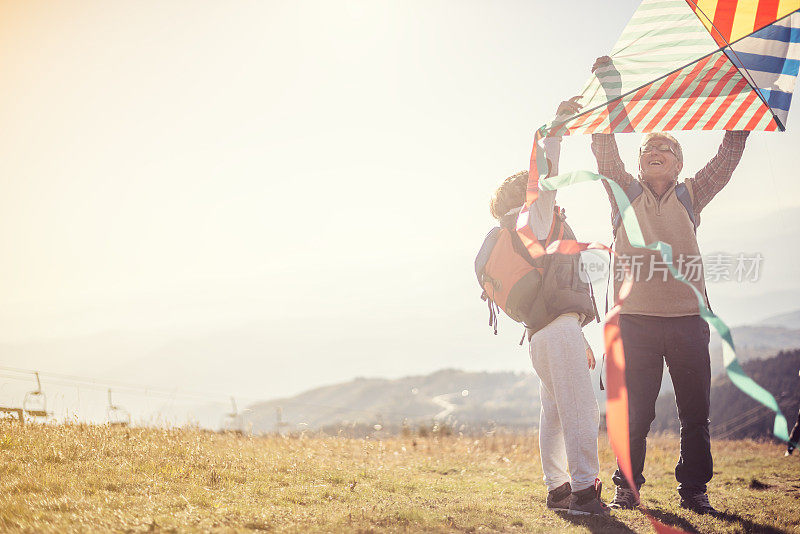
{"type": "Point", "coordinates": [664, 135]}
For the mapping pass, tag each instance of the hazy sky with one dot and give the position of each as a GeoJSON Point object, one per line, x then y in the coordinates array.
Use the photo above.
{"type": "Point", "coordinates": [277, 195]}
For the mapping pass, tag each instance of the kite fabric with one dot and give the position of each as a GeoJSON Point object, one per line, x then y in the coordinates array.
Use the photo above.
{"type": "Point", "coordinates": [705, 65]}
{"type": "Point", "coordinates": [771, 57]}
{"type": "Point", "coordinates": [730, 20]}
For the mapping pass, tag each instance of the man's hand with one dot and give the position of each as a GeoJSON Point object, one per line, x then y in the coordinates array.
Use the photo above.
{"type": "Point", "coordinates": [569, 107]}
{"type": "Point", "coordinates": [611, 81]}
{"type": "Point", "coordinates": [590, 358]}
{"type": "Point", "coordinates": [600, 62]}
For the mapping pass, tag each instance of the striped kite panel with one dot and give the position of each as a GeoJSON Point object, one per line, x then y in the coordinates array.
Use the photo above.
{"type": "Point", "coordinates": [710, 94]}
{"type": "Point", "coordinates": [730, 20]}
{"type": "Point", "coordinates": [770, 58]}
{"type": "Point", "coordinates": [662, 36]}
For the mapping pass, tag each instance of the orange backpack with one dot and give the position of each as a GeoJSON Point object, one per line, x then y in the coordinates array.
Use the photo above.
{"type": "Point", "coordinates": [531, 291]}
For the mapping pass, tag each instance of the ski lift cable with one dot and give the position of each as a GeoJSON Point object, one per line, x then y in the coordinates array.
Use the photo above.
{"type": "Point", "coordinates": [128, 390]}
{"type": "Point", "coordinates": [730, 428]}
{"type": "Point", "coordinates": [92, 385]}
{"type": "Point", "coordinates": [163, 392]}
{"type": "Point", "coordinates": [172, 391]}
{"type": "Point", "coordinates": [133, 390]}
{"type": "Point", "coordinates": [746, 423]}
{"type": "Point", "coordinates": [115, 383]}
{"type": "Point", "coordinates": [152, 392]}
{"type": "Point", "coordinates": [743, 416]}
{"type": "Point", "coordinates": [104, 384]}
{"type": "Point", "coordinates": [733, 431]}
{"type": "Point", "coordinates": [742, 424]}
{"type": "Point", "coordinates": [146, 390]}
{"type": "Point", "coordinates": [740, 417]}
{"type": "Point", "coordinates": [754, 419]}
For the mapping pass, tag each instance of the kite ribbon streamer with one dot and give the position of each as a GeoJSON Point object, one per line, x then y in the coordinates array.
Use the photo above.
{"type": "Point", "coordinates": [617, 407]}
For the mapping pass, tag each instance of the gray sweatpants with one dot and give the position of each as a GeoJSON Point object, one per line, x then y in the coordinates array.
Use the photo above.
{"type": "Point", "coordinates": [570, 419]}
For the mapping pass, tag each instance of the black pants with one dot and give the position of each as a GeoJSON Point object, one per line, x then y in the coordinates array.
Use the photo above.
{"type": "Point", "coordinates": [794, 437]}
{"type": "Point", "coordinates": [683, 343]}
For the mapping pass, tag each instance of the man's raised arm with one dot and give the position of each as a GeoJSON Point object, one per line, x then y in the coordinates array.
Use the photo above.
{"type": "Point", "coordinates": [610, 165]}
{"type": "Point", "coordinates": [713, 177]}
{"type": "Point", "coordinates": [604, 146]}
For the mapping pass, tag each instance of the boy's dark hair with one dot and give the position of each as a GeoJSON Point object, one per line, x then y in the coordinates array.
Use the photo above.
{"type": "Point", "coordinates": [510, 195]}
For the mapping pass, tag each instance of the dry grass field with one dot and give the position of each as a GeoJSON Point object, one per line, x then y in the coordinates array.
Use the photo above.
{"type": "Point", "coordinates": [111, 479]}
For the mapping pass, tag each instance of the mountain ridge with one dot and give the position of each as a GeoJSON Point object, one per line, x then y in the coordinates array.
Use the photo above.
{"type": "Point", "coordinates": [478, 400]}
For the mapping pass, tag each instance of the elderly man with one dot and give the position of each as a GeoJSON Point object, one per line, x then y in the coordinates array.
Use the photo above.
{"type": "Point", "coordinates": [660, 319]}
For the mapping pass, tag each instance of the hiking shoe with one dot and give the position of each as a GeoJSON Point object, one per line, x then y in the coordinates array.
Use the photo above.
{"type": "Point", "coordinates": [624, 499]}
{"type": "Point", "coordinates": [698, 503]}
{"type": "Point", "coordinates": [559, 498]}
{"type": "Point", "coordinates": [588, 502]}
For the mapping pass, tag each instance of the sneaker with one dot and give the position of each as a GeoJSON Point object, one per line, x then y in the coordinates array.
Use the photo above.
{"type": "Point", "coordinates": [698, 503]}
{"type": "Point", "coordinates": [588, 502]}
{"type": "Point", "coordinates": [789, 451]}
{"type": "Point", "coordinates": [624, 499]}
{"type": "Point", "coordinates": [558, 499]}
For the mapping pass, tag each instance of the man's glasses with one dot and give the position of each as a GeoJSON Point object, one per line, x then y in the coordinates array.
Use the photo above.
{"type": "Point", "coordinates": [661, 147]}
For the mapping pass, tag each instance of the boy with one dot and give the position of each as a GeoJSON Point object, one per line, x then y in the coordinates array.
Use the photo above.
{"type": "Point", "coordinates": [569, 419]}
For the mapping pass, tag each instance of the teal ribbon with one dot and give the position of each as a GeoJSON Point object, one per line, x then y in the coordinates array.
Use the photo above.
{"type": "Point", "coordinates": [636, 238]}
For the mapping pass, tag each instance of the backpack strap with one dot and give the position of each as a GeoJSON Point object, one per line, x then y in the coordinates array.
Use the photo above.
{"type": "Point", "coordinates": [555, 233]}
{"type": "Point", "coordinates": [594, 303]}
{"type": "Point", "coordinates": [485, 253]}
{"type": "Point", "coordinates": [682, 192]}
{"type": "Point", "coordinates": [632, 192]}
{"type": "Point", "coordinates": [556, 227]}
{"type": "Point", "coordinates": [509, 220]}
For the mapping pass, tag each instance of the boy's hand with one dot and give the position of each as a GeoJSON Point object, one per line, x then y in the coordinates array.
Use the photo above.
{"type": "Point", "coordinates": [599, 62]}
{"type": "Point", "coordinates": [590, 358]}
{"type": "Point", "coordinates": [569, 107]}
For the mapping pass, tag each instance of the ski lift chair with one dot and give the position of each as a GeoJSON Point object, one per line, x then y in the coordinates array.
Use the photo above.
{"type": "Point", "coordinates": [230, 421]}
{"type": "Point", "coordinates": [117, 416]}
{"type": "Point", "coordinates": [35, 402]}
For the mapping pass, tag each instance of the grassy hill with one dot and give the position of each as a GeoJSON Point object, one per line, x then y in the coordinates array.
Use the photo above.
{"type": "Point", "coordinates": [479, 401]}
{"type": "Point", "coordinates": [756, 342]}
{"type": "Point", "coordinates": [784, 320]}
{"type": "Point", "coordinates": [111, 479]}
{"type": "Point", "coordinates": [734, 414]}
{"type": "Point", "coordinates": [474, 400]}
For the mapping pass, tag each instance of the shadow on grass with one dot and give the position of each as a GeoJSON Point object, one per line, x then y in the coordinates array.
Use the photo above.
{"type": "Point", "coordinates": [747, 525]}
{"type": "Point", "coordinates": [672, 520]}
{"type": "Point", "coordinates": [597, 524]}
{"type": "Point", "coordinates": [668, 518]}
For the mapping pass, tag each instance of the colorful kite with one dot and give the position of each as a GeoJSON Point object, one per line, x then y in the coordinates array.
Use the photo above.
{"type": "Point", "coordinates": [704, 65]}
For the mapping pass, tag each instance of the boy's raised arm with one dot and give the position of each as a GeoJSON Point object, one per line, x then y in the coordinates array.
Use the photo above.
{"type": "Point", "coordinates": [542, 209]}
